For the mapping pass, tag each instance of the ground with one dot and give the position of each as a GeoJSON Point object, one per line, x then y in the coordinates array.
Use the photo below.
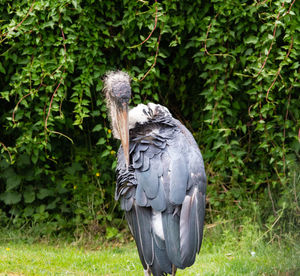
{"type": "Point", "coordinates": [223, 253]}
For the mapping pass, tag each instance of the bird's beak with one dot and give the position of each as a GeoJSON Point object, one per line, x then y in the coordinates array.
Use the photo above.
{"type": "Point", "coordinates": [122, 124]}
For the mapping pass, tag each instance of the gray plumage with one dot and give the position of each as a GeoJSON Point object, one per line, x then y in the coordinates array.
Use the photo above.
{"type": "Point", "coordinates": [165, 176]}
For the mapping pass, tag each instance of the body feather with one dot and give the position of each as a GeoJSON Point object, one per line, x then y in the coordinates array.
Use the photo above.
{"type": "Point", "coordinates": [166, 174]}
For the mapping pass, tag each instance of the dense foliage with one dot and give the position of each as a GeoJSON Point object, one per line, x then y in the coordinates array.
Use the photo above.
{"type": "Point", "coordinates": [228, 69]}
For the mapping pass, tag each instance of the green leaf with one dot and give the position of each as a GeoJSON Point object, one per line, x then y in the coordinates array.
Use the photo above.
{"type": "Point", "coordinates": [29, 196]}
{"type": "Point", "coordinates": [43, 193]}
{"type": "Point", "coordinates": [13, 182]}
{"type": "Point", "coordinates": [11, 197]}
{"type": "Point", "coordinates": [75, 4]}
{"type": "Point", "coordinates": [111, 232]}
{"type": "Point", "coordinates": [2, 69]}
{"type": "Point", "coordinates": [101, 141]}
{"type": "Point", "coordinates": [28, 211]}
{"type": "Point", "coordinates": [74, 168]}
{"type": "Point", "coordinates": [105, 153]}
{"type": "Point", "coordinates": [244, 129]}
{"type": "Point", "coordinates": [97, 128]}
{"type": "Point", "coordinates": [251, 40]}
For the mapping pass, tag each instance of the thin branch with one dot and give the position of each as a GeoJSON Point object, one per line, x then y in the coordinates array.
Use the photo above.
{"type": "Point", "coordinates": [208, 226]}
{"type": "Point", "coordinates": [155, 24]}
{"type": "Point", "coordinates": [51, 101]}
{"type": "Point", "coordinates": [271, 198]}
{"type": "Point", "coordinates": [284, 130]}
{"type": "Point", "coordinates": [155, 59]}
{"type": "Point", "coordinates": [276, 76]}
{"type": "Point", "coordinates": [20, 23]}
{"type": "Point", "coordinates": [295, 190]}
{"type": "Point", "coordinates": [25, 96]}
{"type": "Point", "coordinates": [238, 205]}
{"type": "Point", "coordinates": [56, 89]}
{"type": "Point", "coordinates": [279, 69]}
{"type": "Point", "coordinates": [52, 74]}
{"type": "Point", "coordinates": [249, 110]}
{"type": "Point", "coordinates": [208, 29]}
{"type": "Point", "coordinates": [205, 42]}
{"type": "Point", "coordinates": [16, 107]}
{"type": "Point", "coordinates": [61, 134]}
{"type": "Point", "coordinates": [290, 7]}
{"type": "Point", "coordinates": [261, 3]}
{"type": "Point", "coordinates": [64, 39]}
{"type": "Point", "coordinates": [6, 149]}
{"type": "Point", "coordinates": [272, 226]}
{"type": "Point", "coordinates": [277, 173]}
{"type": "Point", "coordinates": [270, 48]}
{"type": "Point", "coordinates": [61, 79]}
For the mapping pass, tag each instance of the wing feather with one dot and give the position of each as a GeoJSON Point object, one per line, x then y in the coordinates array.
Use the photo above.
{"type": "Point", "coordinates": [178, 179]}
{"type": "Point", "coordinates": [159, 203]}
{"type": "Point", "coordinates": [189, 232]}
{"type": "Point", "coordinates": [140, 196]}
{"type": "Point", "coordinates": [149, 181]}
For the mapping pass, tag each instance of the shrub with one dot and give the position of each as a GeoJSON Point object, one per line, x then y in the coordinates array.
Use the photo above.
{"type": "Point", "coordinates": [228, 70]}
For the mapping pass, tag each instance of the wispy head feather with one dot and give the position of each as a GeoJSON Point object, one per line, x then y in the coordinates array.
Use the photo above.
{"type": "Point", "coordinates": [113, 77]}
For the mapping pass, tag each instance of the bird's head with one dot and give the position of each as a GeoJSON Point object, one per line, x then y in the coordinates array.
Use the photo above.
{"type": "Point", "coordinates": [118, 92]}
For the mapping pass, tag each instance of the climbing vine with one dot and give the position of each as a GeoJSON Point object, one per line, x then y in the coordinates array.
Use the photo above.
{"type": "Point", "coordinates": [228, 70]}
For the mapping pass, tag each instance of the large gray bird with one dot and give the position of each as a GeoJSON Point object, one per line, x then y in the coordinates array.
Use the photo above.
{"type": "Point", "coordinates": [161, 180]}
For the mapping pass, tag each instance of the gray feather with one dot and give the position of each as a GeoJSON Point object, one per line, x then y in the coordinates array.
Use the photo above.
{"type": "Point", "coordinates": [138, 163]}
{"type": "Point", "coordinates": [133, 226]}
{"type": "Point", "coordinates": [159, 203]}
{"type": "Point", "coordinates": [201, 214]}
{"type": "Point", "coordinates": [179, 179]}
{"type": "Point", "coordinates": [172, 238]}
{"type": "Point", "coordinates": [188, 229]}
{"type": "Point", "coordinates": [142, 147]}
{"type": "Point", "coordinates": [136, 156]}
{"type": "Point", "coordinates": [148, 180]}
{"type": "Point", "coordinates": [139, 218]}
{"type": "Point", "coordinates": [161, 256]}
{"type": "Point", "coordinates": [140, 196]}
{"type": "Point", "coordinates": [146, 163]}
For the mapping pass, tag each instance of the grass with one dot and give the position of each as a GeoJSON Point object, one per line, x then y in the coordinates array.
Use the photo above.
{"type": "Point", "coordinates": [224, 252]}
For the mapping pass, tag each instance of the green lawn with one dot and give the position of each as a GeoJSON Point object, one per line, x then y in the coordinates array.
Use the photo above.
{"type": "Point", "coordinates": [226, 253]}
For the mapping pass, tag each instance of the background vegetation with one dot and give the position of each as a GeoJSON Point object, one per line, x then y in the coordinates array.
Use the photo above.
{"type": "Point", "coordinates": [229, 70]}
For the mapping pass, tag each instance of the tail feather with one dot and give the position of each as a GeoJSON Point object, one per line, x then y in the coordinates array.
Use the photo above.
{"type": "Point", "coordinates": [138, 219]}
{"type": "Point", "coordinates": [161, 256]}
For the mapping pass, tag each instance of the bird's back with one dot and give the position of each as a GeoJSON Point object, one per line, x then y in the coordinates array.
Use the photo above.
{"type": "Point", "coordinates": [163, 190]}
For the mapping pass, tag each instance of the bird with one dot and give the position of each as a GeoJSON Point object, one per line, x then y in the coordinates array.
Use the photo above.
{"type": "Point", "coordinates": [161, 180]}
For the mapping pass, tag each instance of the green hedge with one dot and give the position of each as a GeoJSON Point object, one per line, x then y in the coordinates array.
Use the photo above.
{"type": "Point", "coordinates": [228, 69]}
